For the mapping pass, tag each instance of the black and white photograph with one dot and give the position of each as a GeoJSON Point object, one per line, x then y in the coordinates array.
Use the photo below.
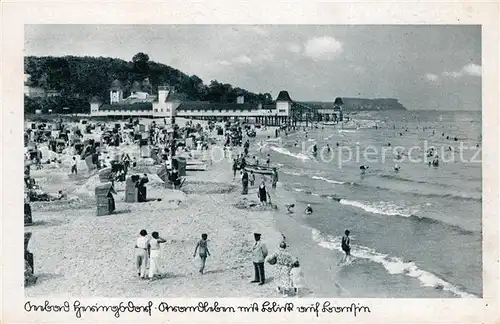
{"type": "Point", "coordinates": [277, 167]}
{"type": "Point", "coordinates": [253, 161]}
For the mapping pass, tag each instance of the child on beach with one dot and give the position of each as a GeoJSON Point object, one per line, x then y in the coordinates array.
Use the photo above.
{"type": "Point", "coordinates": [297, 278]}
{"type": "Point", "coordinates": [154, 261]}
{"type": "Point", "coordinates": [73, 166]}
{"type": "Point", "coordinates": [252, 178]}
{"type": "Point", "coordinates": [203, 251]}
{"type": "Point", "coordinates": [289, 208]}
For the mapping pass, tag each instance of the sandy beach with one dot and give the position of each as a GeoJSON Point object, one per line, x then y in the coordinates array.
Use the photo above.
{"type": "Point", "coordinates": [78, 253]}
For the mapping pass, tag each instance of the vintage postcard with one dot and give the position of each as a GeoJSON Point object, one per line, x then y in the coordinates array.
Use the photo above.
{"type": "Point", "coordinates": [263, 162]}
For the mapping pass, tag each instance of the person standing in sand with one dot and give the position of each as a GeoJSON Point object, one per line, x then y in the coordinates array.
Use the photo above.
{"type": "Point", "coordinates": [73, 166]}
{"type": "Point", "coordinates": [297, 277]}
{"type": "Point", "coordinates": [263, 194]}
{"type": "Point", "coordinates": [126, 162]}
{"type": "Point", "coordinates": [244, 182]}
{"type": "Point", "coordinates": [154, 258]}
{"type": "Point", "coordinates": [284, 263]}
{"type": "Point", "coordinates": [141, 252]}
{"type": "Point", "coordinates": [202, 245]}
{"type": "Point", "coordinates": [252, 178]}
{"type": "Point", "coordinates": [259, 252]}
{"type": "Point", "coordinates": [235, 167]}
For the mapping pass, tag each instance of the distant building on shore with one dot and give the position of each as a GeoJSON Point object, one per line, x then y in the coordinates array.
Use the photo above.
{"type": "Point", "coordinates": [167, 104]}
{"type": "Point", "coordinates": [37, 92]}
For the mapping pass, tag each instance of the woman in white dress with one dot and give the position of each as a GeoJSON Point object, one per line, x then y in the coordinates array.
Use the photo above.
{"type": "Point", "coordinates": [154, 258]}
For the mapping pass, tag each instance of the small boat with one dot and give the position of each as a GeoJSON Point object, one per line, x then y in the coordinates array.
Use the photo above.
{"type": "Point", "coordinates": [329, 123]}
{"type": "Point", "coordinates": [259, 169]}
{"type": "Point", "coordinates": [192, 165]}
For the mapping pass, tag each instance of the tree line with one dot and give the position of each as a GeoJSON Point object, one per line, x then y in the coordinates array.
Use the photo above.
{"type": "Point", "coordinates": [79, 79]}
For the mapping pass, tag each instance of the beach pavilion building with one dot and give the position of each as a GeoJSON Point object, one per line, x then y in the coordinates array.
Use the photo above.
{"type": "Point", "coordinates": [168, 104]}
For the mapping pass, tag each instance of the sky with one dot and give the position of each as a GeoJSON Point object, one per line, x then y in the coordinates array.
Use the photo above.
{"type": "Point", "coordinates": [424, 67]}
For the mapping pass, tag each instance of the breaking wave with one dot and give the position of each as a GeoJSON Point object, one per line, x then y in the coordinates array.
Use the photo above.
{"type": "Point", "coordinates": [327, 180]}
{"type": "Point", "coordinates": [284, 151]}
{"type": "Point", "coordinates": [393, 265]}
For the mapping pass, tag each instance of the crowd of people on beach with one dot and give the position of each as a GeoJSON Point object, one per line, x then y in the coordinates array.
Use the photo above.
{"type": "Point", "coordinates": [288, 274]}
{"type": "Point", "coordinates": [148, 264]}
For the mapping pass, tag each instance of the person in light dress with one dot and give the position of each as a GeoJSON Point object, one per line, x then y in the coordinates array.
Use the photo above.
{"type": "Point", "coordinates": [284, 262]}
{"type": "Point", "coordinates": [154, 258]}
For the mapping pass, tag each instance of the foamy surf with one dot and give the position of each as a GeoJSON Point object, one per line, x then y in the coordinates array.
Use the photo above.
{"type": "Point", "coordinates": [327, 180]}
{"type": "Point", "coordinates": [292, 173]}
{"type": "Point", "coordinates": [284, 151]}
{"type": "Point", "coordinates": [393, 265]}
{"type": "Point", "coordinates": [381, 208]}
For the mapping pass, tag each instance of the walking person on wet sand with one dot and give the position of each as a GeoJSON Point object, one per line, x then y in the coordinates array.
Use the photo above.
{"type": "Point", "coordinates": [346, 245]}
{"type": "Point", "coordinates": [154, 257]}
{"type": "Point", "coordinates": [202, 248]}
{"type": "Point", "coordinates": [259, 252]}
{"type": "Point", "coordinates": [274, 178]}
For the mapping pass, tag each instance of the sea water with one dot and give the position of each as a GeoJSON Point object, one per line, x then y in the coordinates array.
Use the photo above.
{"type": "Point", "coordinates": [418, 229]}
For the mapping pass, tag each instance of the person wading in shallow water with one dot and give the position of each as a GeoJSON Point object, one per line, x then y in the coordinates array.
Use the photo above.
{"type": "Point", "coordinates": [259, 252]}
{"type": "Point", "coordinates": [346, 245]}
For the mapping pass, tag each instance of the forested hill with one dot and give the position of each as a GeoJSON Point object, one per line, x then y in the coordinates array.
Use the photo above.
{"type": "Point", "coordinates": [83, 78]}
